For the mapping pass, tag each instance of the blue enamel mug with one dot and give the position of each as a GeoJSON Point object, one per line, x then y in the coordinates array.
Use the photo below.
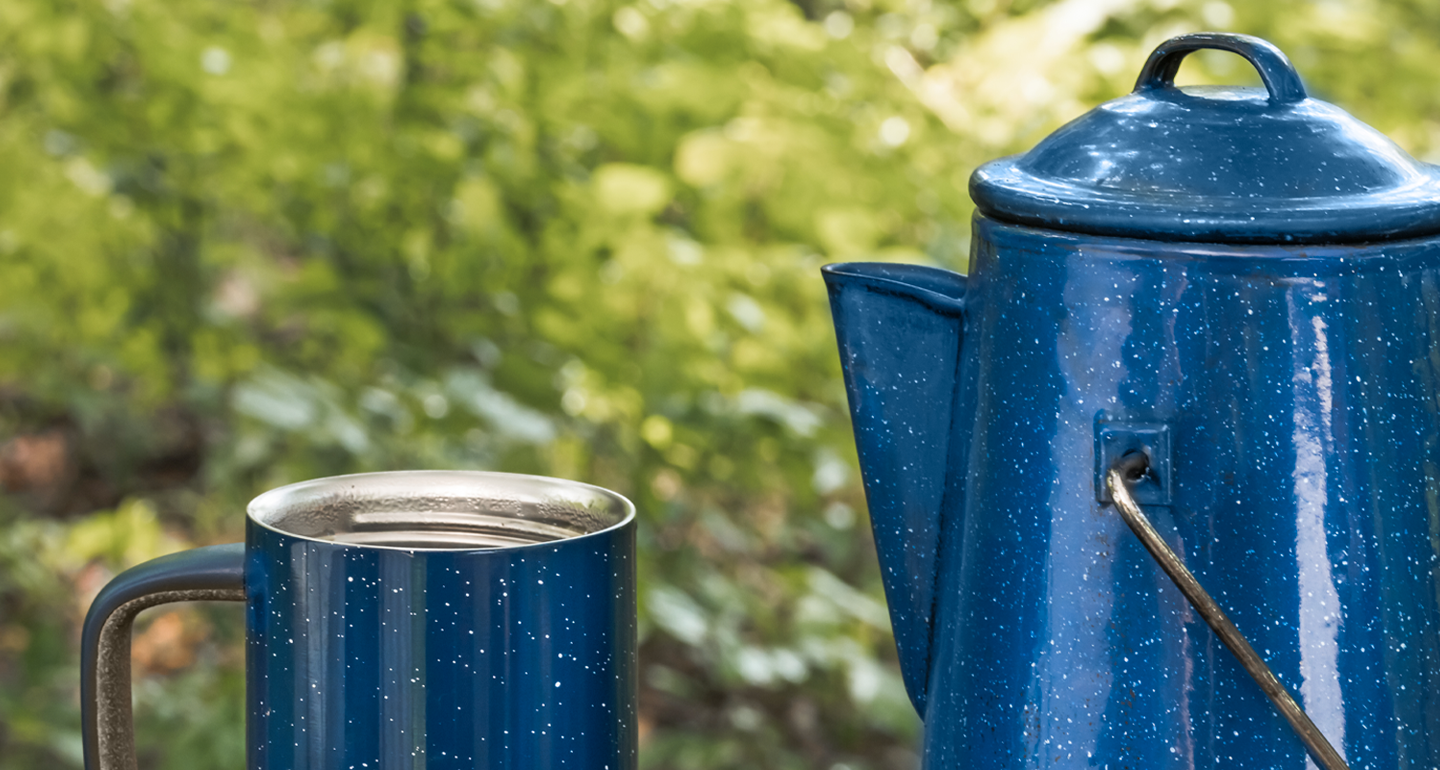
{"type": "Point", "coordinates": [1156, 484]}
{"type": "Point", "coordinates": [406, 620]}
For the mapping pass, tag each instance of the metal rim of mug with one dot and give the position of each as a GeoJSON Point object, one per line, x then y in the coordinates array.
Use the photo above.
{"type": "Point", "coordinates": [331, 497]}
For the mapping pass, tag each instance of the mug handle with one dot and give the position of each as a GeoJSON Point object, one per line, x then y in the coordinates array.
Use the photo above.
{"type": "Point", "coordinates": [213, 573]}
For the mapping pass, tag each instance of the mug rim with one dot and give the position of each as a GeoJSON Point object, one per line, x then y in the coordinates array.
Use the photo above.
{"type": "Point", "coordinates": [276, 498]}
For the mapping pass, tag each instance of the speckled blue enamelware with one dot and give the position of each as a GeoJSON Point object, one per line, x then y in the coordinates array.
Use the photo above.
{"type": "Point", "coordinates": [379, 635]}
{"type": "Point", "coordinates": [1289, 396]}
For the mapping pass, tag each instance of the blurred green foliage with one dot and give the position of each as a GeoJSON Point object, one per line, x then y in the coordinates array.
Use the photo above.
{"type": "Point", "coordinates": [248, 242]}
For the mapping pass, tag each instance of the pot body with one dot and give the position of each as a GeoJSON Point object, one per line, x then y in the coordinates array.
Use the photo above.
{"type": "Point", "coordinates": [1294, 393]}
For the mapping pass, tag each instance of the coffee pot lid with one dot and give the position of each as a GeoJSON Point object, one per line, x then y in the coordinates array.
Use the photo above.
{"type": "Point", "coordinates": [1216, 164]}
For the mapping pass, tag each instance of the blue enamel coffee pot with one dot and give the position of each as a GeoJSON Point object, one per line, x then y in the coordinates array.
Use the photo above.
{"type": "Point", "coordinates": [1157, 484]}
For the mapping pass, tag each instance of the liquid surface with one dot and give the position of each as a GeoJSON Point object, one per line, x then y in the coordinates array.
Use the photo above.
{"type": "Point", "coordinates": [432, 540]}
{"type": "Point", "coordinates": [421, 530]}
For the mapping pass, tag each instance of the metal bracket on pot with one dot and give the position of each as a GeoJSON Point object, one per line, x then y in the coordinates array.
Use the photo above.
{"type": "Point", "coordinates": [1115, 438]}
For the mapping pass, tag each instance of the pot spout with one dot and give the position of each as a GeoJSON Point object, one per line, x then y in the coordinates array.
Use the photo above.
{"type": "Point", "coordinates": [900, 329]}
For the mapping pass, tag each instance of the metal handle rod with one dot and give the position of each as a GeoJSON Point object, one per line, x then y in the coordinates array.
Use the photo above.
{"type": "Point", "coordinates": [1133, 467]}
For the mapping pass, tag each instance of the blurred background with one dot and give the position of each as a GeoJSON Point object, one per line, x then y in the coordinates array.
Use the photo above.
{"type": "Point", "coordinates": [250, 242]}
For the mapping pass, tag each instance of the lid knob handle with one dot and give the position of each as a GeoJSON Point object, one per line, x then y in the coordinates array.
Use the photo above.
{"type": "Point", "coordinates": [1275, 70]}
